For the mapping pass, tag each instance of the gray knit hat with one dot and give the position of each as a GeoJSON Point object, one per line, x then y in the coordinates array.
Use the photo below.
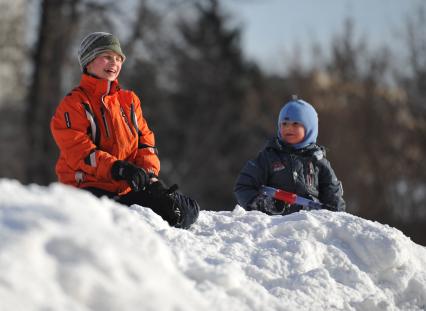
{"type": "Point", "coordinates": [95, 44]}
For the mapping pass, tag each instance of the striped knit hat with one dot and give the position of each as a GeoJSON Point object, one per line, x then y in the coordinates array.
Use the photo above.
{"type": "Point", "coordinates": [95, 44]}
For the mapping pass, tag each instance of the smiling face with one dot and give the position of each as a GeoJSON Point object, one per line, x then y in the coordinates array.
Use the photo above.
{"type": "Point", "coordinates": [292, 132]}
{"type": "Point", "coordinates": [106, 65]}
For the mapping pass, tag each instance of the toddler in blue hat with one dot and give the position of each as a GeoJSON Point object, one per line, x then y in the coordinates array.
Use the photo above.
{"type": "Point", "coordinates": [292, 161]}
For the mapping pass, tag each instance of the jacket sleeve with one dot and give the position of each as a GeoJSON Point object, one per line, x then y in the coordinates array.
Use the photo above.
{"type": "Point", "coordinates": [253, 175]}
{"type": "Point", "coordinates": [330, 188]}
{"type": "Point", "coordinates": [69, 127]}
{"type": "Point", "coordinates": [146, 156]}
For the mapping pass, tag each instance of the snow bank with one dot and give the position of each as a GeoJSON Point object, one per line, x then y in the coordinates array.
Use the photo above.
{"type": "Point", "coordinates": [63, 249]}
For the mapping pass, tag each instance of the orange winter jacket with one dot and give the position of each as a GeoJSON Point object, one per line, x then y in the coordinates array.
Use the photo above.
{"type": "Point", "coordinates": [96, 124]}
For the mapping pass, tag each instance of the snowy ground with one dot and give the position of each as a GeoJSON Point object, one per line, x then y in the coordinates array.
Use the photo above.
{"type": "Point", "coordinates": [63, 249]}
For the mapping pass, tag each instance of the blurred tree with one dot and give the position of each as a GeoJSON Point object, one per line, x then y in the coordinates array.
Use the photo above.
{"type": "Point", "coordinates": [410, 187]}
{"type": "Point", "coordinates": [58, 24]}
{"type": "Point", "coordinates": [12, 52]}
{"type": "Point", "coordinates": [353, 106]}
{"type": "Point", "coordinates": [146, 60]}
{"type": "Point", "coordinates": [61, 27]}
{"type": "Point", "coordinates": [208, 103]}
{"type": "Point", "coordinates": [373, 131]}
{"type": "Point", "coordinates": [369, 110]}
{"type": "Point", "coordinates": [13, 87]}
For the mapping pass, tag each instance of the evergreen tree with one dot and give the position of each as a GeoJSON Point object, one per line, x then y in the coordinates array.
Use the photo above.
{"type": "Point", "coordinates": [211, 84]}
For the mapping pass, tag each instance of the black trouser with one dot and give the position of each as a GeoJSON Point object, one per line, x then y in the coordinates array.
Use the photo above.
{"type": "Point", "coordinates": [158, 201]}
{"type": "Point", "coordinates": [177, 209]}
{"type": "Point", "coordinates": [140, 198]}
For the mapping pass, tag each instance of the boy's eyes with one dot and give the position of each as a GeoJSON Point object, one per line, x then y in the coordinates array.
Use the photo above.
{"type": "Point", "coordinates": [112, 57]}
{"type": "Point", "coordinates": [290, 123]}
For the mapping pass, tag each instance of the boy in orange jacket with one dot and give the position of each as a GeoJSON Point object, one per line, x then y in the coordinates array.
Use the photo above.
{"type": "Point", "coordinates": [106, 146]}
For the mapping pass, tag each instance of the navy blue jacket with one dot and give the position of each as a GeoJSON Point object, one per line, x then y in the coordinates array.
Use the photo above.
{"type": "Point", "coordinates": [305, 172]}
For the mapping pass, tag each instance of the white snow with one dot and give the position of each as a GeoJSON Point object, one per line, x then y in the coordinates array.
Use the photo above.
{"type": "Point", "coordinates": [64, 249]}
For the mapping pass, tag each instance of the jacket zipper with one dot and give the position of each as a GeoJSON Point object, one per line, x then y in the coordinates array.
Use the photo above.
{"type": "Point", "coordinates": [103, 110]}
{"type": "Point", "coordinates": [123, 114]}
{"type": "Point", "coordinates": [105, 122]}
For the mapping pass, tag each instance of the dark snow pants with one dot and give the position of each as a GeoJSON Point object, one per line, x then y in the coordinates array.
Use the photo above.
{"type": "Point", "coordinates": [177, 209]}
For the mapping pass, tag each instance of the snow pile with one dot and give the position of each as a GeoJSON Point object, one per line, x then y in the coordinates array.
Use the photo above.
{"type": "Point", "coordinates": [63, 249]}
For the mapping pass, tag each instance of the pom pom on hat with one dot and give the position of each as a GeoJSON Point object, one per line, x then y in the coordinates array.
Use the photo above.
{"type": "Point", "coordinates": [95, 44]}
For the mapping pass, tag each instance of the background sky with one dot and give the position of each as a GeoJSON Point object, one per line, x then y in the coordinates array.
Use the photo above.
{"type": "Point", "coordinates": [273, 28]}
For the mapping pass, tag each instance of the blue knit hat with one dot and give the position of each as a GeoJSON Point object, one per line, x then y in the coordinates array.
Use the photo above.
{"type": "Point", "coordinates": [300, 111]}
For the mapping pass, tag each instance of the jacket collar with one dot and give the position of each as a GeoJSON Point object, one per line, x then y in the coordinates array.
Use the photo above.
{"type": "Point", "coordinates": [98, 87]}
{"type": "Point", "coordinates": [310, 150]}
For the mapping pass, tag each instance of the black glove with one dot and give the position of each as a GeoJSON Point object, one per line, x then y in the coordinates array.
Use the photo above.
{"type": "Point", "coordinates": [330, 207]}
{"type": "Point", "coordinates": [160, 200]}
{"type": "Point", "coordinates": [268, 205]}
{"type": "Point", "coordinates": [135, 176]}
{"type": "Point", "coordinates": [177, 209]}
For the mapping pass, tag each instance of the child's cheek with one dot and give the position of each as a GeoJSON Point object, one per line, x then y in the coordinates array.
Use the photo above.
{"type": "Point", "coordinates": [282, 131]}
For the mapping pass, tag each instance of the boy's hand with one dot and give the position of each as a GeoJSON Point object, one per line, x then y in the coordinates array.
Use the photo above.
{"type": "Point", "coordinates": [163, 203]}
{"type": "Point", "coordinates": [135, 176]}
{"type": "Point", "coordinates": [267, 205]}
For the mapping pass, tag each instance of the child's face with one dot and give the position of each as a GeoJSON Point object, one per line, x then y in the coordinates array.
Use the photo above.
{"type": "Point", "coordinates": [292, 132]}
{"type": "Point", "coordinates": [106, 65]}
